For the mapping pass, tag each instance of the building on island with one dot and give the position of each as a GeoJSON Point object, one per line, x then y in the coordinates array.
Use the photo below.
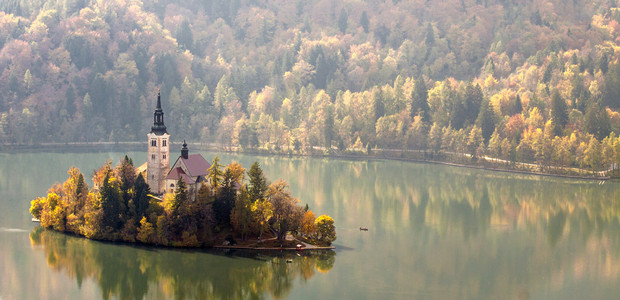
{"type": "Point", "coordinates": [192, 169]}
{"type": "Point", "coordinates": [161, 178]}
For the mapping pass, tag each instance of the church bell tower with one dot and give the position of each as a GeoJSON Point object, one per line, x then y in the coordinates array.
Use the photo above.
{"type": "Point", "coordinates": [158, 160]}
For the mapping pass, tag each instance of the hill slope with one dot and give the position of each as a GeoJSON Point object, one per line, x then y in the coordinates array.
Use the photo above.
{"type": "Point", "coordinates": [275, 72]}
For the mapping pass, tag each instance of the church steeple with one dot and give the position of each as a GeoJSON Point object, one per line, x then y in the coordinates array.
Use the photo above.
{"type": "Point", "coordinates": [158, 127]}
{"type": "Point", "coordinates": [184, 150]}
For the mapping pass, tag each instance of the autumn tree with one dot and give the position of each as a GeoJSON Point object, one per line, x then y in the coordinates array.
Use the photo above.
{"type": "Point", "coordinates": [286, 213]}
{"type": "Point", "coordinates": [215, 173]}
{"type": "Point", "coordinates": [262, 211]}
{"type": "Point", "coordinates": [326, 230]}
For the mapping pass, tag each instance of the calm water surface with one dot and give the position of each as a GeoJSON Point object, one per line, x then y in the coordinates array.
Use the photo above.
{"type": "Point", "coordinates": [435, 232]}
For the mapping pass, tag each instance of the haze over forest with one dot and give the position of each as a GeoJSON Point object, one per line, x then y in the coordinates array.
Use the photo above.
{"type": "Point", "coordinates": [522, 80]}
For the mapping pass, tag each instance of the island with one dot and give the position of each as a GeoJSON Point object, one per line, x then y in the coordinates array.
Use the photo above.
{"type": "Point", "coordinates": [226, 210]}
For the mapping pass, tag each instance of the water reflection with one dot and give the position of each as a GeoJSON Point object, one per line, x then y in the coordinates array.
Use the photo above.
{"type": "Point", "coordinates": [390, 196]}
{"type": "Point", "coordinates": [127, 272]}
{"type": "Point", "coordinates": [435, 232]}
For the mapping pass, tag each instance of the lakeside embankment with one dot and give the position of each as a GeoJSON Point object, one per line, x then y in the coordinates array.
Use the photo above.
{"type": "Point", "coordinates": [461, 160]}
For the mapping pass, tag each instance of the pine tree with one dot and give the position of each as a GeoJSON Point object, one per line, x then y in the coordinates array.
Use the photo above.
{"type": "Point", "coordinates": [364, 21]}
{"type": "Point", "coordinates": [419, 100]}
{"type": "Point", "coordinates": [111, 204]}
{"type": "Point", "coordinates": [343, 19]}
{"type": "Point", "coordinates": [518, 106]}
{"type": "Point", "coordinates": [184, 35]}
{"type": "Point", "coordinates": [430, 36]}
{"type": "Point", "coordinates": [225, 200]}
{"type": "Point", "coordinates": [472, 100]}
{"type": "Point", "coordinates": [258, 184]}
{"type": "Point", "coordinates": [559, 113]}
{"type": "Point", "coordinates": [141, 198]}
{"type": "Point", "coordinates": [486, 119]}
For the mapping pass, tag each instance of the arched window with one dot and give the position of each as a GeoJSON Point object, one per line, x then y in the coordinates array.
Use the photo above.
{"type": "Point", "coordinates": [154, 143]}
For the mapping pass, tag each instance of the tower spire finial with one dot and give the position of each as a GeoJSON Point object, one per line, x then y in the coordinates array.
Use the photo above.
{"type": "Point", "coordinates": [159, 99]}
{"type": "Point", "coordinates": [158, 118]}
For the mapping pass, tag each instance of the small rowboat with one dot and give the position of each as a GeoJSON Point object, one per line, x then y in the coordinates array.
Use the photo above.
{"type": "Point", "coordinates": [363, 228]}
{"type": "Point", "coordinates": [35, 220]}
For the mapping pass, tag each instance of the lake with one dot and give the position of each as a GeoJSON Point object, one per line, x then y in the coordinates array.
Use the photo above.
{"type": "Point", "coordinates": [435, 232]}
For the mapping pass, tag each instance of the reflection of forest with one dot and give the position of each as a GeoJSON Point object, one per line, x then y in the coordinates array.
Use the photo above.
{"type": "Point", "coordinates": [457, 233]}
{"type": "Point", "coordinates": [448, 198]}
{"type": "Point", "coordinates": [127, 272]}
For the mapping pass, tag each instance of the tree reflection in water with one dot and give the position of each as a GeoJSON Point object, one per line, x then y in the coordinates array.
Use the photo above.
{"type": "Point", "coordinates": [129, 272]}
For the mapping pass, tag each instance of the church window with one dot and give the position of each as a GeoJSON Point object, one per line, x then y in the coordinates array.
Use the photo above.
{"type": "Point", "coordinates": [164, 143]}
{"type": "Point", "coordinates": [164, 156]}
{"type": "Point", "coordinates": [153, 156]}
{"type": "Point", "coordinates": [154, 143]}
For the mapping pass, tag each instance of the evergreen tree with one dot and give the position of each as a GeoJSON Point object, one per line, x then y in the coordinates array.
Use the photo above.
{"type": "Point", "coordinates": [458, 114]}
{"type": "Point", "coordinates": [596, 121]}
{"type": "Point", "coordinates": [430, 36]}
{"type": "Point", "coordinates": [364, 21]}
{"type": "Point", "coordinates": [486, 119]}
{"type": "Point", "coordinates": [225, 200]}
{"type": "Point", "coordinates": [241, 216]}
{"type": "Point", "coordinates": [603, 63]}
{"type": "Point", "coordinates": [518, 106]}
{"type": "Point", "coordinates": [180, 196]}
{"type": "Point", "coordinates": [419, 100]}
{"type": "Point", "coordinates": [559, 113]}
{"type": "Point", "coordinates": [184, 35]}
{"type": "Point", "coordinates": [111, 204]}
{"type": "Point", "coordinates": [377, 104]}
{"type": "Point", "coordinates": [612, 86]}
{"type": "Point", "coordinates": [141, 198]}
{"type": "Point", "coordinates": [343, 19]}
{"type": "Point", "coordinates": [472, 100]}
{"type": "Point", "coordinates": [258, 184]}
{"type": "Point", "coordinates": [70, 100]}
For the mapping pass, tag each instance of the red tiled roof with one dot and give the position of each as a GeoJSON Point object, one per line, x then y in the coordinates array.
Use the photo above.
{"type": "Point", "coordinates": [196, 165]}
{"type": "Point", "coordinates": [178, 172]}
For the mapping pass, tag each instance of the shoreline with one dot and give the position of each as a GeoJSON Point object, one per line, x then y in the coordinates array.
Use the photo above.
{"type": "Point", "coordinates": [72, 147]}
{"type": "Point", "coordinates": [272, 248]}
{"type": "Point", "coordinates": [306, 249]}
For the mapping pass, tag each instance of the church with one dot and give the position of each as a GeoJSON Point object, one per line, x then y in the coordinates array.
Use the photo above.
{"type": "Point", "coordinates": [192, 169]}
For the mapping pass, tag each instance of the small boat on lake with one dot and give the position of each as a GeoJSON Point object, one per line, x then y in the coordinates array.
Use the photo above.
{"type": "Point", "coordinates": [35, 220]}
{"type": "Point", "coordinates": [363, 228]}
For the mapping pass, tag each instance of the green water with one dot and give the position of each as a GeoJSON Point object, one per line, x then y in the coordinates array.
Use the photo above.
{"type": "Point", "coordinates": [435, 232]}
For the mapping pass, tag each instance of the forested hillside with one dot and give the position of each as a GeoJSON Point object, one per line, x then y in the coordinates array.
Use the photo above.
{"type": "Point", "coordinates": [530, 80]}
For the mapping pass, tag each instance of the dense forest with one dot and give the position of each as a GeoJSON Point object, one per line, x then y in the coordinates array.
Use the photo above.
{"type": "Point", "coordinates": [530, 81]}
{"type": "Point", "coordinates": [120, 207]}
